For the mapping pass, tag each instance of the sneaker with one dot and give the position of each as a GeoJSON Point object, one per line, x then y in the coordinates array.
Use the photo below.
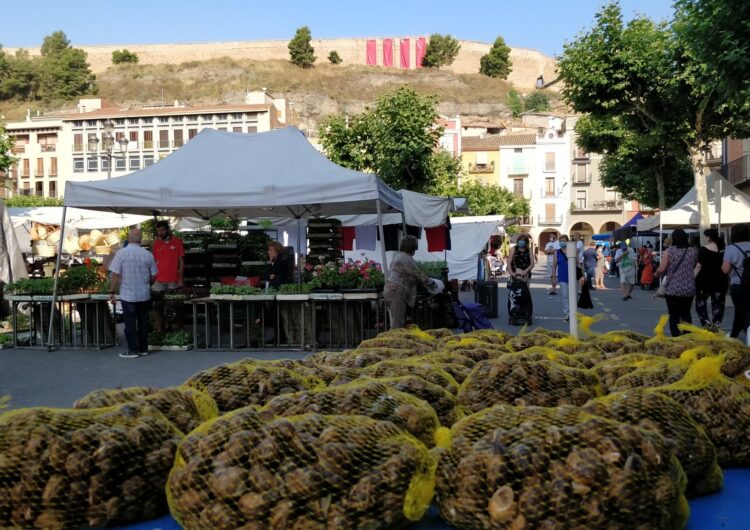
{"type": "Point", "coordinates": [129, 355]}
{"type": "Point", "coordinates": [626, 298]}
{"type": "Point", "coordinates": [630, 297]}
{"type": "Point", "coordinates": [143, 353]}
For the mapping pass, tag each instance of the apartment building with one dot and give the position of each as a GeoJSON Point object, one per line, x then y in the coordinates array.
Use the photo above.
{"type": "Point", "coordinates": [480, 159]}
{"type": "Point", "coordinates": [97, 141]}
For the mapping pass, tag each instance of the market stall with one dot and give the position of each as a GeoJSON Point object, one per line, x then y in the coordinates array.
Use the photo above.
{"type": "Point", "coordinates": [219, 174]}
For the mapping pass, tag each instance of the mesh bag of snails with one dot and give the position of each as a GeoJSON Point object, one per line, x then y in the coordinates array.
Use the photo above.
{"type": "Point", "coordinates": [490, 336]}
{"type": "Point", "coordinates": [406, 338]}
{"type": "Point", "coordinates": [542, 353]}
{"type": "Point", "coordinates": [440, 333]}
{"type": "Point", "coordinates": [428, 371]}
{"type": "Point", "coordinates": [660, 413]}
{"type": "Point", "coordinates": [548, 468]}
{"type": "Point", "coordinates": [611, 370]}
{"type": "Point", "coordinates": [371, 398]}
{"type": "Point", "coordinates": [310, 471]}
{"type": "Point", "coordinates": [239, 384]}
{"type": "Point", "coordinates": [522, 382]}
{"type": "Point", "coordinates": [523, 341]}
{"type": "Point", "coordinates": [67, 468]}
{"type": "Point", "coordinates": [185, 407]}
{"type": "Point", "coordinates": [459, 366]}
{"type": "Point", "coordinates": [720, 404]}
{"type": "Point", "coordinates": [474, 348]}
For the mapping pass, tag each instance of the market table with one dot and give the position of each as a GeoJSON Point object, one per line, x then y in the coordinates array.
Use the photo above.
{"type": "Point", "coordinates": [726, 510]}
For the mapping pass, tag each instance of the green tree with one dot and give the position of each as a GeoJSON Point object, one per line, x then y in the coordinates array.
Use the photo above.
{"type": "Point", "coordinates": [490, 199]}
{"type": "Point", "coordinates": [497, 62]}
{"type": "Point", "coordinates": [441, 51]}
{"type": "Point", "coordinates": [537, 101]}
{"type": "Point", "coordinates": [55, 44]}
{"type": "Point", "coordinates": [31, 201]}
{"type": "Point", "coordinates": [63, 70]}
{"type": "Point", "coordinates": [301, 52]}
{"type": "Point", "coordinates": [334, 57]}
{"type": "Point", "coordinates": [668, 83]}
{"type": "Point", "coordinates": [21, 78]}
{"type": "Point", "coordinates": [124, 56]}
{"type": "Point", "coordinates": [514, 102]}
{"type": "Point", "coordinates": [6, 157]}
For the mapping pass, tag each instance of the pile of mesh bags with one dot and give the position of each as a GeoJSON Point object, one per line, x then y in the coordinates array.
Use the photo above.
{"type": "Point", "coordinates": [66, 468]}
{"type": "Point", "coordinates": [558, 467]}
{"type": "Point", "coordinates": [244, 470]}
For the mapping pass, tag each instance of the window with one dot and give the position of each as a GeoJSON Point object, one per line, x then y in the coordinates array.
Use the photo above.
{"type": "Point", "coordinates": [518, 149]}
{"type": "Point", "coordinates": [77, 124]}
{"type": "Point", "coordinates": [135, 162]}
{"type": "Point", "coordinates": [91, 124]}
{"type": "Point", "coordinates": [133, 121]}
{"type": "Point", "coordinates": [78, 142]}
{"type": "Point", "coordinates": [163, 119]}
{"type": "Point", "coordinates": [611, 195]}
{"type": "Point", "coordinates": [119, 135]}
{"type": "Point", "coordinates": [179, 119]}
{"type": "Point", "coordinates": [481, 160]}
{"type": "Point", "coordinates": [53, 166]}
{"type": "Point", "coordinates": [133, 136]}
{"type": "Point", "coordinates": [237, 129]}
{"type": "Point", "coordinates": [78, 165]}
{"type": "Point", "coordinates": [92, 164]}
{"type": "Point", "coordinates": [252, 129]}
{"type": "Point", "coordinates": [52, 187]}
{"type": "Point", "coordinates": [581, 199]}
{"type": "Point", "coordinates": [105, 164]}
{"type": "Point", "coordinates": [549, 186]}
{"type": "Point", "coordinates": [192, 118]}
{"type": "Point", "coordinates": [236, 116]}
{"type": "Point", "coordinates": [148, 139]}
{"type": "Point", "coordinates": [549, 161]}
{"type": "Point", "coordinates": [207, 117]}
{"type": "Point", "coordinates": [47, 142]}
{"type": "Point", "coordinates": [224, 129]}
{"type": "Point", "coordinates": [120, 121]}
{"type": "Point", "coordinates": [148, 160]}
{"type": "Point", "coordinates": [192, 133]}
{"type": "Point", "coordinates": [178, 140]}
{"type": "Point", "coordinates": [25, 171]}
{"type": "Point", "coordinates": [518, 165]}
{"type": "Point", "coordinates": [39, 167]}
{"type": "Point", "coordinates": [39, 189]}
{"type": "Point", "coordinates": [221, 117]}
{"type": "Point", "coordinates": [580, 174]}
{"type": "Point", "coordinates": [518, 187]}
{"type": "Point", "coordinates": [549, 212]}
{"type": "Point", "coordinates": [164, 139]}
{"type": "Point", "coordinates": [120, 164]}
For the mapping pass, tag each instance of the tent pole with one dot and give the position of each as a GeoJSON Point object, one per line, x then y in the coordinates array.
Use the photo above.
{"type": "Point", "coordinates": [382, 236]}
{"type": "Point", "coordinates": [299, 250]}
{"type": "Point", "coordinates": [403, 222]}
{"type": "Point", "coordinates": [50, 337]}
{"type": "Point", "coordinates": [5, 244]}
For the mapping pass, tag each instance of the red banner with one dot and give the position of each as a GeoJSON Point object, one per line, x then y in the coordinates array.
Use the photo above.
{"type": "Point", "coordinates": [387, 52]}
{"type": "Point", "coordinates": [372, 53]}
{"type": "Point", "coordinates": [421, 51]}
{"type": "Point", "coordinates": [404, 49]}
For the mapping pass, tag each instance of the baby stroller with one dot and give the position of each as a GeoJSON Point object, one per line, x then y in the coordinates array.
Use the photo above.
{"type": "Point", "coordinates": [520, 306]}
{"type": "Point", "coordinates": [470, 316]}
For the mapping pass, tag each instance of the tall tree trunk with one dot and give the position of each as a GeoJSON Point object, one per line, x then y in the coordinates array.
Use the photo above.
{"type": "Point", "coordinates": [660, 190]}
{"type": "Point", "coordinates": [701, 193]}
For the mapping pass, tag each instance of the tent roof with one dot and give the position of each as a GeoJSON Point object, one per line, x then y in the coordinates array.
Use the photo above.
{"type": "Point", "coordinates": [276, 173]}
{"type": "Point", "coordinates": [633, 220]}
{"type": "Point", "coordinates": [735, 207]}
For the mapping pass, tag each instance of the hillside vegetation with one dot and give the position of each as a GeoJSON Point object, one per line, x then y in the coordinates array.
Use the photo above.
{"type": "Point", "coordinates": [315, 92]}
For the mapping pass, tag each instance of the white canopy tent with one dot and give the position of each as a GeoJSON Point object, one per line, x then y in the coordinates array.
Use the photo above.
{"type": "Point", "coordinates": [12, 265]}
{"type": "Point", "coordinates": [734, 206]}
{"type": "Point", "coordinates": [469, 235]}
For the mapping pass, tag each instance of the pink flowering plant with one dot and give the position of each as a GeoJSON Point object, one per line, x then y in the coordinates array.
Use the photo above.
{"type": "Point", "coordinates": [346, 275]}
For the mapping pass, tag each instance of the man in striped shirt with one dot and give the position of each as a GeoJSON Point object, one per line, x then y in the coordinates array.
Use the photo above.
{"type": "Point", "coordinates": [134, 270]}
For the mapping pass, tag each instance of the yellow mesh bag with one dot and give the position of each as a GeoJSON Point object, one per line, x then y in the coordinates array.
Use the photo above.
{"type": "Point", "coordinates": [611, 370]}
{"type": "Point", "coordinates": [653, 375]}
{"type": "Point", "coordinates": [522, 382]}
{"type": "Point", "coordinates": [439, 333]}
{"type": "Point", "coordinates": [489, 336]}
{"type": "Point", "coordinates": [301, 472]}
{"type": "Point", "coordinates": [428, 371]}
{"type": "Point", "coordinates": [549, 468]}
{"type": "Point", "coordinates": [459, 366]}
{"type": "Point", "coordinates": [720, 405]}
{"type": "Point", "coordinates": [474, 348]}
{"type": "Point", "coordinates": [541, 353]}
{"type": "Point", "coordinates": [657, 412]}
{"type": "Point", "coordinates": [568, 344]}
{"type": "Point", "coordinates": [249, 382]}
{"type": "Point", "coordinates": [400, 341]}
{"type": "Point", "coordinates": [185, 407]}
{"type": "Point", "coordinates": [371, 398]}
{"type": "Point", "coordinates": [613, 344]}
{"type": "Point", "coordinates": [527, 340]}
{"type": "Point", "coordinates": [67, 468]}
{"type": "Point", "coordinates": [551, 333]}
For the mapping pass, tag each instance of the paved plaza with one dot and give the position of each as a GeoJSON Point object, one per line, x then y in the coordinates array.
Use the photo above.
{"type": "Point", "coordinates": [34, 377]}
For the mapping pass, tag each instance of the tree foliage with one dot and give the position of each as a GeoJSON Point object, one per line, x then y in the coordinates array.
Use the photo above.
{"type": "Point", "coordinates": [124, 56]}
{"type": "Point", "coordinates": [514, 100]}
{"type": "Point", "coordinates": [537, 101]}
{"type": "Point", "coordinates": [60, 73]}
{"type": "Point", "coordinates": [6, 157]}
{"type": "Point", "coordinates": [31, 201]}
{"type": "Point", "coordinates": [301, 51]}
{"type": "Point", "coordinates": [334, 58]}
{"type": "Point", "coordinates": [497, 62]}
{"type": "Point", "coordinates": [441, 51]}
{"type": "Point", "coordinates": [490, 199]}
{"type": "Point", "coordinates": [674, 87]}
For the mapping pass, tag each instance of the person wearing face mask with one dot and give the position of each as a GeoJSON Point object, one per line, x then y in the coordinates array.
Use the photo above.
{"type": "Point", "coordinates": [521, 260]}
{"type": "Point", "coordinates": [560, 263]}
{"type": "Point", "coordinates": [169, 254]}
{"type": "Point", "coordinates": [626, 263]}
{"type": "Point", "coordinates": [550, 249]}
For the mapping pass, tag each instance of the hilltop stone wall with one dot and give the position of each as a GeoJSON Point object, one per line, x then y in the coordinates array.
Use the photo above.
{"type": "Point", "coordinates": [527, 64]}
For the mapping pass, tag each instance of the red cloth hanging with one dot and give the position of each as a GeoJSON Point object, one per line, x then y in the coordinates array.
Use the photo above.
{"type": "Point", "coordinates": [436, 238]}
{"type": "Point", "coordinates": [347, 238]}
{"type": "Point", "coordinates": [387, 52]}
{"type": "Point", "coordinates": [421, 51]}
{"type": "Point", "coordinates": [372, 52]}
{"type": "Point", "coordinates": [404, 48]}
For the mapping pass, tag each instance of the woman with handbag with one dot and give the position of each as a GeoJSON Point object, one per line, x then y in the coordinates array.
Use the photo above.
{"type": "Point", "coordinates": [677, 264]}
{"type": "Point", "coordinates": [710, 282]}
{"type": "Point", "coordinates": [521, 260]}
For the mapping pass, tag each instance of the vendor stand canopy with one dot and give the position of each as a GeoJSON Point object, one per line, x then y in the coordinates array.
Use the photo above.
{"type": "Point", "coordinates": [735, 207]}
{"type": "Point", "coordinates": [277, 173]}
{"type": "Point", "coordinates": [12, 265]}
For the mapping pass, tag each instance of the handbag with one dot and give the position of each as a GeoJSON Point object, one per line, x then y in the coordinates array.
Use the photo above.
{"type": "Point", "coordinates": [661, 292]}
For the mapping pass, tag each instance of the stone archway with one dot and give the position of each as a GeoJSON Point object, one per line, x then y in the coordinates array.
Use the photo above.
{"type": "Point", "coordinates": [609, 226]}
{"type": "Point", "coordinates": [582, 229]}
{"type": "Point", "coordinates": [545, 235]}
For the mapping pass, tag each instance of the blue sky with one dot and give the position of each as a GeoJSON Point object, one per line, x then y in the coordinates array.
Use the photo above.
{"type": "Point", "coordinates": [539, 24]}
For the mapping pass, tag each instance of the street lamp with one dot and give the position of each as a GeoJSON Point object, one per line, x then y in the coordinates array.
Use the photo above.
{"type": "Point", "coordinates": [108, 144]}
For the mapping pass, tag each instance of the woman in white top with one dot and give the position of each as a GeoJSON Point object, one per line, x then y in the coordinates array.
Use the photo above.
{"type": "Point", "coordinates": [734, 256]}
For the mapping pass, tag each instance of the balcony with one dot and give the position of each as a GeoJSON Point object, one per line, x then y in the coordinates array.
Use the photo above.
{"type": "Point", "coordinates": [581, 157]}
{"type": "Point", "coordinates": [543, 220]}
{"type": "Point", "coordinates": [164, 145]}
{"type": "Point", "coordinates": [48, 148]}
{"type": "Point", "coordinates": [148, 144]}
{"type": "Point", "coordinates": [482, 168]}
{"type": "Point", "coordinates": [178, 143]}
{"type": "Point", "coordinates": [582, 181]}
{"type": "Point", "coordinates": [78, 148]}
{"type": "Point", "coordinates": [598, 206]}
{"type": "Point", "coordinates": [18, 149]}
{"type": "Point", "coordinates": [737, 172]}
{"type": "Point", "coordinates": [518, 170]}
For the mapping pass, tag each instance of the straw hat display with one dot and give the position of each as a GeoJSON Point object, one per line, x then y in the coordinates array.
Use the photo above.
{"type": "Point", "coordinates": [96, 237]}
{"type": "Point", "coordinates": [112, 238]}
{"type": "Point", "coordinates": [71, 245]}
{"type": "Point", "coordinates": [84, 242]}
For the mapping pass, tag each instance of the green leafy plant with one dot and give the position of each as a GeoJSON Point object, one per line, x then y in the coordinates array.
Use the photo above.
{"type": "Point", "coordinates": [293, 288]}
{"type": "Point", "coordinates": [177, 338]}
{"type": "Point", "coordinates": [124, 57]}
{"type": "Point", "coordinates": [334, 58]}
{"type": "Point", "coordinates": [5, 340]}
{"type": "Point", "coordinates": [433, 269]}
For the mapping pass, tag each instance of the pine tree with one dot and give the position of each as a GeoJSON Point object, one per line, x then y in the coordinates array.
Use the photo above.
{"type": "Point", "coordinates": [301, 51]}
{"type": "Point", "coordinates": [441, 51]}
{"type": "Point", "coordinates": [497, 62]}
{"type": "Point", "coordinates": [334, 58]}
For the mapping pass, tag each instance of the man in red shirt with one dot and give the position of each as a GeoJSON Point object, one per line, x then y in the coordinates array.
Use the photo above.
{"type": "Point", "coordinates": [169, 254]}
